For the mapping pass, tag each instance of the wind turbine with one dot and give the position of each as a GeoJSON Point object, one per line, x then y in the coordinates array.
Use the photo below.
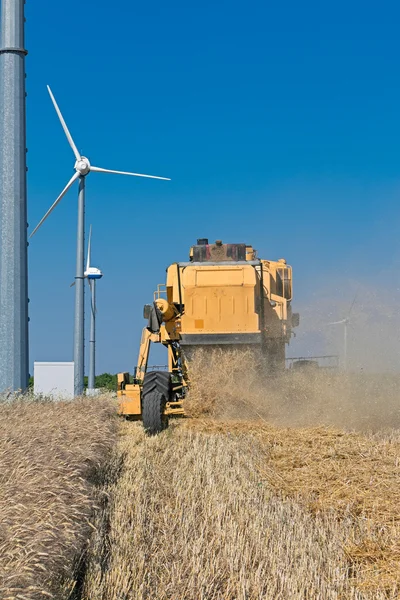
{"type": "Point", "coordinates": [92, 274]}
{"type": "Point", "coordinates": [82, 168]}
{"type": "Point", "coordinates": [345, 322]}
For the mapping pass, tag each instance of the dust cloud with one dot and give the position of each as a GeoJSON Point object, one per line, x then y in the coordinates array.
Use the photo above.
{"type": "Point", "coordinates": [373, 332]}
{"type": "Point", "coordinates": [226, 384]}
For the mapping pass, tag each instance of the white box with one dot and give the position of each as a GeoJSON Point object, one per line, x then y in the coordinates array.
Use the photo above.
{"type": "Point", "coordinates": [54, 379]}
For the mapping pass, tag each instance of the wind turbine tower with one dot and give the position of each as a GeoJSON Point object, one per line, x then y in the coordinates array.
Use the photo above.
{"type": "Point", "coordinates": [345, 322]}
{"type": "Point", "coordinates": [14, 367]}
{"type": "Point", "coordinates": [92, 274]}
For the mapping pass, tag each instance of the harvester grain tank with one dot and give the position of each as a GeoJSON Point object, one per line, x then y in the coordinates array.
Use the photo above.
{"type": "Point", "coordinates": [223, 297]}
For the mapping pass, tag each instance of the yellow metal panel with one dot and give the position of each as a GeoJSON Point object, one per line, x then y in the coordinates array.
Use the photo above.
{"type": "Point", "coordinates": [223, 298]}
{"type": "Point", "coordinates": [129, 401]}
{"type": "Point", "coordinates": [219, 276]}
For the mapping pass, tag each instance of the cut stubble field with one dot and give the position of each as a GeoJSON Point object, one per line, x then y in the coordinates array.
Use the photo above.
{"type": "Point", "coordinates": [243, 510]}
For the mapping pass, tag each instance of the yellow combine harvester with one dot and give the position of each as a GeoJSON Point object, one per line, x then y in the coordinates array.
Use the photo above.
{"type": "Point", "coordinates": [223, 297]}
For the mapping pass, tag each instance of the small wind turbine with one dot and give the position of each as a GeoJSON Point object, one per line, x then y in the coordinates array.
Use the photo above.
{"type": "Point", "coordinates": [82, 169]}
{"type": "Point", "coordinates": [345, 322]}
{"type": "Point", "coordinates": [92, 274]}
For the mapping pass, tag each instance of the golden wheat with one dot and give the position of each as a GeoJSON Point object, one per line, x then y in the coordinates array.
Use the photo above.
{"type": "Point", "coordinates": [51, 459]}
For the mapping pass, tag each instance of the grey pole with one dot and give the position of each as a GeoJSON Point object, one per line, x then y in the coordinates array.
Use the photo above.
{"type": "Point", "coordinates": [92, 341]}
{"type": "Point", "coordinates": [14, 365]}
{"type": "Point", "coordinates": [79, 333]}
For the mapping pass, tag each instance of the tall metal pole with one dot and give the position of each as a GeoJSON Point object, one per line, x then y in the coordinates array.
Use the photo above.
{"type": "Point", "coordinates": [14, 365]}
{"type": "Point", "coordinates": [92, 341]}
{"type": "Point", "coordinates": [79, 329]}
{"type": "Point", "coordinates": [345, 346]}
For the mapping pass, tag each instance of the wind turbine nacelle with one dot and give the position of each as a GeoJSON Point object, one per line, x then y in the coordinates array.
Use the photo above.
{"type": "Point", "coordinates": [93, 273]}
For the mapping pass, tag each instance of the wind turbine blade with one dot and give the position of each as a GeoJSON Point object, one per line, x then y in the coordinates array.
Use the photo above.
{"type": "Point", "coordinates": [65, 190]}
{"type": "Point", "coordinates": [72, 284]}
{"type": "Point", "coordinates": [337, 322]}
{"type": "Point", "coordinates": [88, 250]}
{"type": "Point", "coordinates": [64, 125]}
{"type": "Point", "coordinates": [99, 170]}
{"type": "Point", "coordinates": [352, 304]}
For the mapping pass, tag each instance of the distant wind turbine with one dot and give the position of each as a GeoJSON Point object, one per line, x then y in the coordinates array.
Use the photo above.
{"type": "Point", "coordinates": [92, 274]}
{"type": "Point", "coordinates": [345, 322]}
{"type": "Point", "coordinates": [82, 168]}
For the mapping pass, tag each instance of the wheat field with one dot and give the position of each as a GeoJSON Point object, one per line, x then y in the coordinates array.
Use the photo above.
{"type": "Point", "coordinates": [271, 489]}
{"type": "Point", "coordinates": [53, 458]}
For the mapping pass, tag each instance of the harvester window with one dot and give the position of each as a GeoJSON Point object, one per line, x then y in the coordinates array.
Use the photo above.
{"type": "Point", "coordinates": [283, 284]}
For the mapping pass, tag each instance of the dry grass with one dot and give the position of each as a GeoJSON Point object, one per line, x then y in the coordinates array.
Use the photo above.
{"type": "Point", "coordinates": [221, 379]}
{"type": "Point", "coordinates": [352, 476]}
{"type": "Point", "coordinates": [214, 511]}
{"type": "Point", "coordinates": [51, 459]}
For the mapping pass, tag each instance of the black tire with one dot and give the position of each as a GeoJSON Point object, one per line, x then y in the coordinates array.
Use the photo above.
{"type": "Point", "coordinates": [156, 392]}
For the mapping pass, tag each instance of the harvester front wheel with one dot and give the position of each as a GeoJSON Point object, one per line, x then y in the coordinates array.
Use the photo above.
{"type": "Point", "coordinates": [155, 394]}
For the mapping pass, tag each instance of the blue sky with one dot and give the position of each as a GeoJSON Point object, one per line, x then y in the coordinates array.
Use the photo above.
{"type": "Point", "coordinates": [278, 123]}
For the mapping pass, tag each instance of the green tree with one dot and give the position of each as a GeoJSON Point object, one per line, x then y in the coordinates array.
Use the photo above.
{"type": "Point", "coordinates": [106, 381]}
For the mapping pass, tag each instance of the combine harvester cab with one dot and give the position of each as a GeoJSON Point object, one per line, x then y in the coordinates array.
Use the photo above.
{"type": "Point", "coordinates": [223, 297]}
